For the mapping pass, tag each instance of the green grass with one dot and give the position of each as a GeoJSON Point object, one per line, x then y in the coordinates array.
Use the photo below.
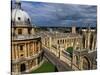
{"type": "Point", "coordinates": [45, 67]}
{"type": "Point", "coordinates": [70, 50]}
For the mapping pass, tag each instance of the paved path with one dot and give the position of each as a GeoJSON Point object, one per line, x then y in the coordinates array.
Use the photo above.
{"type": "Point", "coordinates": [61, 66]}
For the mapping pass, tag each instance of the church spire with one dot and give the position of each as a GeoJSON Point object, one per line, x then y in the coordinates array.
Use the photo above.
{"type": "Point", "coordinates": [18, 4]}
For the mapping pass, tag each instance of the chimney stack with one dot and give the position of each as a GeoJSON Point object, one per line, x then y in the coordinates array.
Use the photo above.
{"type": "Point", "coordinates": [73, 29]}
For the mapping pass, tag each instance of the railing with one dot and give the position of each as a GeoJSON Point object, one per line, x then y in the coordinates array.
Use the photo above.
{"type": "Point", "coordinates": [67, 56]}
{"type": "Point", "coordinates": [23, 37]}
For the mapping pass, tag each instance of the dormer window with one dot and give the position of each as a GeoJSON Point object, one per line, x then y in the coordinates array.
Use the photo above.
{"type": "Point", "coordinates": [28, 20]}
{"type": "Point", "coordinates": [19, 18]}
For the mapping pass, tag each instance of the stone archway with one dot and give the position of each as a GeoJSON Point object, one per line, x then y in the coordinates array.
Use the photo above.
{"type": "Point", "coordinates": [86, 63]}
{"type": "Point", "coordinates": [76, 58]}
{"type": "Point", "coordinates": [22, 67]}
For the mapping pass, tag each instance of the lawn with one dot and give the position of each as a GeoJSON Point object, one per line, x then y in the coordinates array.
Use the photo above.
{"type": "Point", "coordinates": [70, 50]}
{"type": "Point", "coordinates": [45, 67]}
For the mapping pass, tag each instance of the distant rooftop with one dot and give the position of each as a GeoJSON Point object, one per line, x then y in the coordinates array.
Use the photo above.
{"type": "Point", "coordinates": [59, 34]}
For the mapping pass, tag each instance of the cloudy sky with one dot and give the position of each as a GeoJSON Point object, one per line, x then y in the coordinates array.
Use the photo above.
{"type": "Point", "coordinates": [54, 14]}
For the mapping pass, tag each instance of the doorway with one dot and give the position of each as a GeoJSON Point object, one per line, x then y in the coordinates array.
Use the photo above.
{"type": "Point", "coordinates": [22, 67]}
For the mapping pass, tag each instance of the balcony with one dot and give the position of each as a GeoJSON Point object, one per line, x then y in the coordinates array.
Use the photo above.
{"type": "Point", "coordinates": [24, 37]}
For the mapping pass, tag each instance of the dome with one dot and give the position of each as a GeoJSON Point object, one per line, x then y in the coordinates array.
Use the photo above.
{"type": "Point", "coordinates": [20, 17]}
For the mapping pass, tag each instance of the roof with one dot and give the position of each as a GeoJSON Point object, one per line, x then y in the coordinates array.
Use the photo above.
{"type": "Point", "coordinates": [59, 34]}
{"type": "Point", "coordinates": [25, 37]}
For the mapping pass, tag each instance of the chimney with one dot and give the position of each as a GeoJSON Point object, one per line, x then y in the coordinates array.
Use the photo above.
{"type": "Point", "coordinates": [73, 29]}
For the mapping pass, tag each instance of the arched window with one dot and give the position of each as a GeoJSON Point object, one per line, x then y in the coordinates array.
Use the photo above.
{"type": "Point", "coordinates": [86, 63]}
{"type": "Point", "coordinates": [22, 67]}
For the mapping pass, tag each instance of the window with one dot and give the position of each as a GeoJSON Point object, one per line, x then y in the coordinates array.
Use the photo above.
{"type": "Point", "coordinates": [19, 31]}
{"type": "Point", "coordinates": [21, 47]}
{"type": "Point", "coordinates": [21, 55]}
{"type": "Point", "coordinates": [28, 20]}
{"type": "Point", "coordinates": [58, 41]}
{"type": "Point", "coordinates": [18, 18]}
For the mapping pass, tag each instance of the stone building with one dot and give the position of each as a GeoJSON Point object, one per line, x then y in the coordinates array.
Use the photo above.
{"type": "Point", "coordinates": [86, 58]}
{"type": "Point", "coordinates": [26, 47]}
{"type": "Point", "coordinates": [89, 38]}
{"type": "Point", "coordinates": [57, 40]}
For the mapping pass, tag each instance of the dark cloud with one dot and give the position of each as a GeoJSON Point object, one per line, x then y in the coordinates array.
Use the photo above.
{"type": "Point", "coordinates": [60, 14]}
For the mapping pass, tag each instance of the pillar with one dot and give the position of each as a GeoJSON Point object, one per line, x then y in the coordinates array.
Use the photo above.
{"type": "Point", "coordinates": [17, 69]}
{"type": "Point", "coordinates": [25, 31]}
{"type": "Point", "coordinates": [33, 48]}
{"type": "Point", "coordinates": [39, 46]}
{"type": "Point", "coordinates": [27, 66]}
{"type": "Point", "coordinates": [36, 61]}
{"type": "Point", "coordinates": [93, 43]}
{"type": "Point", "coordinates": [85, 37]}
{"type": "Point", "coordinates": [16, 49]}
{"type": "Point", "coordinates": [28, 49]}
{"type": "Point", "coordinates": [12, 52]}
{"type": "Point", "coordinates": [25, 50]}
{"type": "Point", "coordinates": [81, 63]}
{"type": "Point", "coordinates": [50, 43]}
{"type": "Point", "coordinates": [89, 39]}
{"type": "Point", "coordinates": [32, 31]}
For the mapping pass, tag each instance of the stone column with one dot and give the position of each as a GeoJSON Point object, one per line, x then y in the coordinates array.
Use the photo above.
{"type": "Point", "coordinates": [32, 31]}
{"type": "Point", "coordinates": [85, 40]}
{"type": "Point", "coordinates": [28, 49]}
{"type": "Point", "coordinates": [39, 46]}
{"type": "Point", "coordinates": [36, 61]}
{"type": "Point", "coordinates": [16, 49]}
{"type": "Point", "coordinates": [25, 50]}
{"type": "Point", "coordinates": [17, 69]}
{"type": "Point", "coordinates": [50, 44]}
{"type": "Point", "coordinates": [27, 66]}
{"type": "Point", "coordinates": [12, 52]}
{"type": "Point", "coordinates": [25, 31]}
{"type": "Point", "coordinates": [13, 68]}
{"type": "Point", "coordinates": [81, 44]}
{"type": "Point", "coordinates": [36, 47]}
{"type": "Point", "coordinates": [89, 40]}
{"type": "Point", "coordinates": [81, 63]}
{"type": "Point", "coordinates": [33, 48]}
{"type": "Point", "coordinates": [93, 43]}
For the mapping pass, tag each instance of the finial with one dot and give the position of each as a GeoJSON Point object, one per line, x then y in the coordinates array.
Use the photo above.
{"type": "Point", "coordinates": [17, 1]}
{"type": "Point", "coordinates": [18, 4]}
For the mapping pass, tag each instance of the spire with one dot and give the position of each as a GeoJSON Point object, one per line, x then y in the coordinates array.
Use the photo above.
{"type": "Point", "coordinates": [18, 4]}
